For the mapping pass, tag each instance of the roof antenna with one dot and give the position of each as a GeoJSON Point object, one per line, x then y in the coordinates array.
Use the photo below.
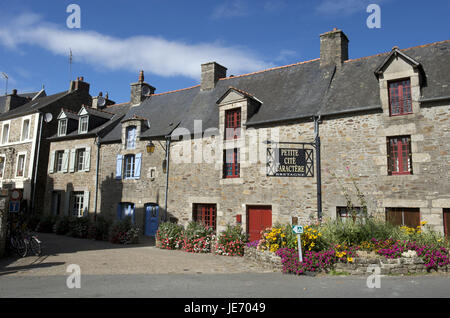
{"type": "Point", "coordinates": [70, 64]}
{"type": "Point", "coordinates": [6, 78]}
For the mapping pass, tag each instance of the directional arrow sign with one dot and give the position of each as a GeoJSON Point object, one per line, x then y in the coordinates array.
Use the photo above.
{"type": "Point", "coordinates": [297, 229]}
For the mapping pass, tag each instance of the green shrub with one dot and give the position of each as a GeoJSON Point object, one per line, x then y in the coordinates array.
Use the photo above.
{"type": "Point", "coordinates": [64, 225]}
{"type": "Point", "coordinates": [46, 224]}
{"type": "Point", "coordinates": [99, 229]}
{"type": "Point", "coordinates": [170, 235]}
{"type": "Point", "coordinates": [80, 227]}
{"type": "Point", "coordinates": [197, 238]}
{"type": "Point", "coordinates": [124, 232]}
{"type": "Point", "coordinates": [231, 242]}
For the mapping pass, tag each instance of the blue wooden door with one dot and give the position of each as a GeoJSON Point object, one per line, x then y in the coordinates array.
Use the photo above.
{"type": "Point", "coordinates": [151, 219]}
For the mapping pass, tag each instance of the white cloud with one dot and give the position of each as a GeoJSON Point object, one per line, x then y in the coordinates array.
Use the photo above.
{"type": "Point", "coordinates": [155, 55]}
{"type": "Point", "coordinates": [229, 9]}
{"type": "Point", "coordinates": [344, 7]}
{"type": "Point", "coordinates": [285, 55]}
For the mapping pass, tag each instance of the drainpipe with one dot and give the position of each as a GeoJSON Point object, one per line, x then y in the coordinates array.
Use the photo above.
{"type": "Point", "coordinates": [97, 142]}
{"type": "Point", "coordinates": [41, 118]}
{"type": "Point", "coordinates": [317, 121]}
{"type": "Point", "coordinates": [167, 174]}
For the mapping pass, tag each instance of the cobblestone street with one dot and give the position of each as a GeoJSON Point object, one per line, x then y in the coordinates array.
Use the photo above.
{"type": "Point", "coordinates": [104, 258]}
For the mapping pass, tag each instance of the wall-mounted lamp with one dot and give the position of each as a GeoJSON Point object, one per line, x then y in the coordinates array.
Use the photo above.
{"type": "Point", "coordinates": [150, 147]}
{"type": "Point", "coordinates": [164, 166]}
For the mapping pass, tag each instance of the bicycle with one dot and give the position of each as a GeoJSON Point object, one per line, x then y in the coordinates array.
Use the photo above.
{"type": "Point", "coordinates": [18, 244]}
{"type": "Point", "coordinates": [33, 243]}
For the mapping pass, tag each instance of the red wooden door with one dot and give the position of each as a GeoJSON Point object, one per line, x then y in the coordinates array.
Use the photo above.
{"type": "Point", "coordinates": [258, 218]}
{"type": "Point", "coordinates": [447, 222]}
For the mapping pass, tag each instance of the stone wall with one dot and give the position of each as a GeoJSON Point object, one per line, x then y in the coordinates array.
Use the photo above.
{"type": "Point", "coordinates": [360, 265]}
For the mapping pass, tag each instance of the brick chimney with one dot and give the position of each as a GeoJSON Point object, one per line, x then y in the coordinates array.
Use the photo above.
{"type": "Point", "coordinates": [13, 101]}
{"type": "Point", "coordinates": [79, 85]}
{"type": "Point", "coordinates": [333, 48]}
{"type": "Point", "coordinates": [140, 90]}
{"type": "Point", "coordinates": [211, 73]}
{"type": "Point", "coordinates": [107, 101]}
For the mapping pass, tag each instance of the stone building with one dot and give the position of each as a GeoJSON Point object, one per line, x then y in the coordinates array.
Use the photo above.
{"type": "Point", "coordinates": [24, 146]}
{"type": "Point", "coordinates": [73, 170]}
{"type": "Point", "coordinates": [383, 123]}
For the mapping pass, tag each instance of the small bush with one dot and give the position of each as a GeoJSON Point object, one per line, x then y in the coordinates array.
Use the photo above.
{"type": "Point", "coordinates": [80, 227]}
{"type": "Point", "coordinates": [197, 238]}
{"type": "Point", "coordinates": [46, 224]}
{"type": "Point", "coordinates": [99, 229]}
{"type": "Point", "coordinates": [64, 225]}
{"type": "Point", "coordinates": [124, 232]}
{"type": "Point", "coordinates": [170, 235]}
{"type": "Point", "coordinates": [231, 242]}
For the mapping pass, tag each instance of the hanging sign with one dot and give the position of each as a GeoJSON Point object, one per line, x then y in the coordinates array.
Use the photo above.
{"type": "Point", "coordinates": [290, 162]}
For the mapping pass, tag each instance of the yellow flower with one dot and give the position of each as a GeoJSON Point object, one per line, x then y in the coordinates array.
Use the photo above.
{"type": "Point", "coordinates": [350, 259]}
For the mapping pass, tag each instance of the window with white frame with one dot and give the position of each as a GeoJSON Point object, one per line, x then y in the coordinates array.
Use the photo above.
{"type": "Point", "coordinates": [62, 127]}
{"type": "Point", "coordinates": [20, 171]}
{"type": "Point", "coordinates": [80, 159]}
{"type": "Point", "coordinates": [59, 155]}
{"type": "Point", "coordinates": [131, 137]}
{"type": "Point", "coordinates": [83, 128]}
{"type": "Point", "coordinates": [77, 203]}
{"type": "Point", "coordinates": [5, 133]}
{"type": "Point", "coordinates": [25, 129]}
{"type": "Point", "coordinates": [2, 166]}
{"type": "Point", "coordinates": [129, 166]}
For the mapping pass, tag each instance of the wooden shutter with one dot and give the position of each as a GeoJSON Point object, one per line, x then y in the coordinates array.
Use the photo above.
{"type": "Point", "coordinates": [137, 166]}
{"type": "Point", "coordinates": [87, 159]}
{"type": "Point", "coordinates": [86, 203]}
{"type": "Point", "coordinates": [411, 217]}
{"type": "Point", "coordinates": [119, 166]}
{"type": "Point", "coordinates": [52, 162]}
{"type": "Point", "coordinates": [72, 160]}
{"type": "Point", "coordinates": [65, 160]}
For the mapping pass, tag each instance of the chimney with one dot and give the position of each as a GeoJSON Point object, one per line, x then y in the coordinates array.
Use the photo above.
{"type": "Point", "coordinates": [13, 101]}
{"type": "Point", "coordinates": [140, 90]}
{"type": "Point", "coordinates": [211, 73]}
{"type": "Point", "coordinates": [100, 102]}
{"type": "Point", "coordinates": [79, 85]}
{"type": "Point", "coordinates": [333, 48]}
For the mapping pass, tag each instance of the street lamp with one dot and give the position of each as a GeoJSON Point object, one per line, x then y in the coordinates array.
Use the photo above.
{"type": "Point", "coordinates": [150, 147]}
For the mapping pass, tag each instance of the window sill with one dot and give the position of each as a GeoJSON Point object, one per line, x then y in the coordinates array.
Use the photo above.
{"type": "Point", "coordinates": [232, 181]}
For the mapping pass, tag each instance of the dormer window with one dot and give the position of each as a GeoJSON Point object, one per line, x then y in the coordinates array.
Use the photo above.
{"type": "Point", "coordinates": [400, 97]}
{"type": "Point", "coordinates": [83, 127]}
{"type": "Point", "coordinates": [131, 137]}
{"type": "Point", "coordinates": [232, 123]}
{"type": "Point", "coordinates": [62, 127]}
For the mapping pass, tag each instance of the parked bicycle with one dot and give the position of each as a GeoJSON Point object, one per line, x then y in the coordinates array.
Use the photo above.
{"type": "Point", "coordinates": [33, 243]}
{"type": "Point", "coordinates": [17, 243]}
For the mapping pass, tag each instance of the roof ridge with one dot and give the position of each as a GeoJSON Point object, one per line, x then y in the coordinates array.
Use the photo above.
{"type": "Point", "coordinates": [241, 91]}
{"type": "Point", "coordinates": [68, 110]}
{"type": "Point", "coordinates": [271, 69]}
{"type": "Point", "coordinates": [120, 104]}
{"type": "Point", "coordinates": [100, 110]}
{"type": "Point", "coordinates": [409, 48]}
{"type": "Point", "coordinates": [174, 91]}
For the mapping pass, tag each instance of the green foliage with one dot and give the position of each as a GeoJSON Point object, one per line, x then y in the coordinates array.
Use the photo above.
{"type": "Point", "coordinates": [124, 232]}
{"type": "Point", "coordinates": [170, 235]}
{"type": "Point", "coordinates": [196, 230]}
{"type": "Point", "coordinates": [232, 233]}
{"type": "Point", "coordinates": [64, 225]}
{"type": "Point", "coordinates": [99, 229]}
{"type": "Point", "coordinates": [46, 223]}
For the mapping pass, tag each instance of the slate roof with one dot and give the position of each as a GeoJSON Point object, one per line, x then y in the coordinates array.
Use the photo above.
{"type": "Point", "coordinates": [291, 92]}
{"type": "Point", "coordinates": [99, 113]}
{"type": "Point", "coordinates": [33, 106]}
{"type": "Point", "coordinates": [26, 95]}
{"type": "Point", "coordinates": [115, 114]}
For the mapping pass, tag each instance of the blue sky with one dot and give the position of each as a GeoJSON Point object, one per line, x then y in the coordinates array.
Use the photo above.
{"type": "Point", "coordinates": [170, 39]}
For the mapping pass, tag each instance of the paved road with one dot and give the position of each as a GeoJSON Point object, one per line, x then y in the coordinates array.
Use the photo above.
{"type": "Point", "coordinates": [143, 271]}
{"type": "Point", "coordinates": [260, 285]}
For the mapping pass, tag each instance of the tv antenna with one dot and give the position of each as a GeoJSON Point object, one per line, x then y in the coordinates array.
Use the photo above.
{"type": "Point", "coordinates": [70, 64]}
{"type": "Point", "coordinates": [6, 78]}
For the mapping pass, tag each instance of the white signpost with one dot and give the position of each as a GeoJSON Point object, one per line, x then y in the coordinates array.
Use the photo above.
{"type": "Point", "coordinates": [298, 229]}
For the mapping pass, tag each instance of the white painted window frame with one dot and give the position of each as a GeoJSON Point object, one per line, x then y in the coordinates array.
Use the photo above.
{"type": "Point", "coordinates": [24, 164]}
{"type": "Point", "coordinates": [80, 131]}
{"type": "Point", "coordinates": [4, 165]}
{"type": "Point", "coordinates": [29, 128]}
{"type": "Point", "coordinates": [59, 127]}
{"type": "Point", "coordinates": [8, 122]}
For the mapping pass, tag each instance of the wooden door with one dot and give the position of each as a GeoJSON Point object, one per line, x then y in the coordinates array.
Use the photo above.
{"type": "Point", "coordinates": [447, 222]}
{"type": "Point", "coordinates": [258, 219]}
